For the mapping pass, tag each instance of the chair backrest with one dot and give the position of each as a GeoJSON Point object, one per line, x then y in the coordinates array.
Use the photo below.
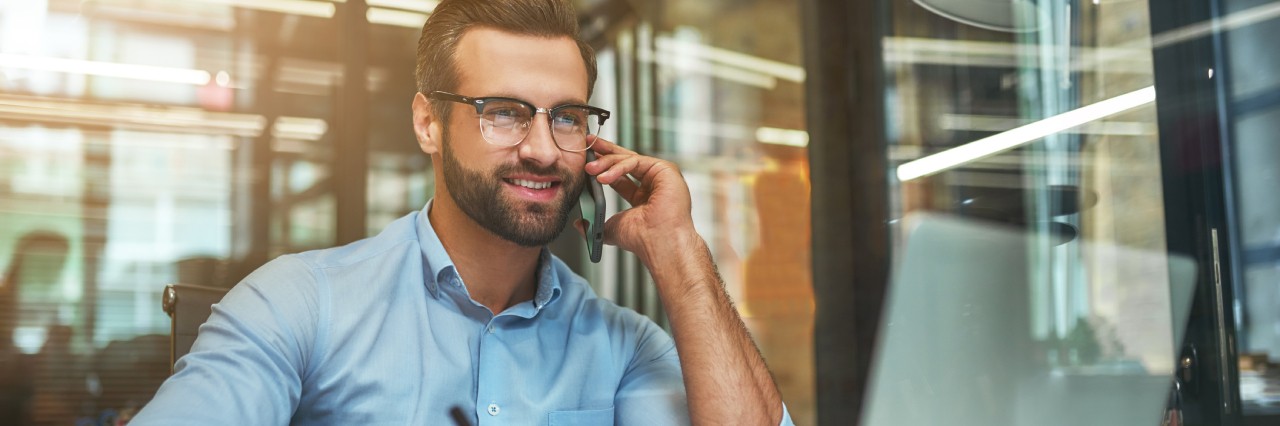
{"type": "Point", "coordinates": [188, 306]}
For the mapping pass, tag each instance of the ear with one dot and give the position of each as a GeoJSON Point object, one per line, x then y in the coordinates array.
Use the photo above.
{"type": "Point", "coordinates": [426, 125]}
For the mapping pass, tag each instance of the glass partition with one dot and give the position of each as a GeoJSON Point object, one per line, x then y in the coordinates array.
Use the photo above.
{"type": "Point", "coordinates": [717, 88]}
{"type": "Point", "coordinates": [1033, 283]}
{"type": "Point", "coordinates": [1253, 117]}
{"type": "Point", "coordinates": [144, 143]}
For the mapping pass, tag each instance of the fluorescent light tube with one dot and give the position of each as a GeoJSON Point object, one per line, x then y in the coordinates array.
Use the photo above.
{"type": "Point", "coordinates": [106, 69]}
{"type": "Point", "coordinates": [302, 128]}
{"type": "Point", "coordinates": [1023, 135]}
{"type": "Point", "coordinates": [741, 60]}
{"type": "Point", "coordinates": [399, 18]}
{"type": "Point", "coordinates": [318, 9]}
{"type": "Point", "coordinates": [776, 136]}
{"type": "Point", "coordinates": [424, 6]}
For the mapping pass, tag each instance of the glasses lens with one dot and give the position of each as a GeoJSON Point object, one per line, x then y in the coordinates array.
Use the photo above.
{"type": "Point", "coordinates": [505, 122]}
{"type": "Point", "coordinates": [572, 125]}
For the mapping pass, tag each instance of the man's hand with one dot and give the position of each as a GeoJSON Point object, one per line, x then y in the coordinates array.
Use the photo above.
{"type": "Point", "coordinates": [725, 377]}
{"type": "Point", "coordinates": [659, 198]}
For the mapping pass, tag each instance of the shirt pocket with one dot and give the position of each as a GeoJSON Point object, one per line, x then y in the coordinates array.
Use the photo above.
{"type": "Point", "coordinates": [581, 417]}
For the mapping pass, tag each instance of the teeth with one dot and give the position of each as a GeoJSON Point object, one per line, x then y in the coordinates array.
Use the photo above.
{"type": "Point", "coordinates": [531, 184]}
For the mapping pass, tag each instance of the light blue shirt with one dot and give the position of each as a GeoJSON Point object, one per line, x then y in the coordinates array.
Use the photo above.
{"type": "Point", "coordinates": [383, 331]}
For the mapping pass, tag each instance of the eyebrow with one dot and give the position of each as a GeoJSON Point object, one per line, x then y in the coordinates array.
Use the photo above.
{"type": "Point", "coordinates": [562, 101]}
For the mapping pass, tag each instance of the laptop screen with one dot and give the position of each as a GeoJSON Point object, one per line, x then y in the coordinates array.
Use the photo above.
{"type": "Point", "coordinates": [964, 341]}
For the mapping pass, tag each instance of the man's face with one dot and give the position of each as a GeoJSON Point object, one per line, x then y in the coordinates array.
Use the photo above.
{"type": "Point", "coordinates": [524, 193]}
{"type": "Point", "coordinates": [487, 197]}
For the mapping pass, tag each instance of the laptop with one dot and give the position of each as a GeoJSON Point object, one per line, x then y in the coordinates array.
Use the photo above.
{"type": "Point", "coordinates": [963, 340]}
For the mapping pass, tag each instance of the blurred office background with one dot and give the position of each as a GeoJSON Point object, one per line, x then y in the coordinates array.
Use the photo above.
{"type": "Point", "coordinates": [149, 142]}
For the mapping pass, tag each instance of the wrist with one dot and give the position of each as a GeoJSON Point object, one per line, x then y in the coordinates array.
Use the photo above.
{"type": "Point", "coordinates": [673, 248]}
{"type": "Point", "coordinates": [679, 262]}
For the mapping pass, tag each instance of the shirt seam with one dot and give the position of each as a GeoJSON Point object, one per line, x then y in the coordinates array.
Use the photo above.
{"type": "Point", "coordinates": [324, 294]}
{"type": "Point", "coordinates": [348, 261]}
{"type": "Point", "coordinates": [323, 303]}
{"type": "Point", "coordinates": [644, 336]}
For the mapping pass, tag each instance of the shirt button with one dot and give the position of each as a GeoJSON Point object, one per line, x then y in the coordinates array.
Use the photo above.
{"type": "Point", "coordinates": [493, 409]}
{"type": "Point", "coordinates": [490, 329]}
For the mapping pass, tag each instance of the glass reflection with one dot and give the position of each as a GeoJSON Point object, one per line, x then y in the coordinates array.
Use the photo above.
{"type": "Point", "coordinates": [1034, 285]}
{"type": "Point", "coordinates": [1254, 120]}
{"type": "Point", "coordinates": [716, 88]}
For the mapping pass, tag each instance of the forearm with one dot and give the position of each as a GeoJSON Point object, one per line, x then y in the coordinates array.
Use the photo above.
{"type": "Point", "coordinates": [725, 376]}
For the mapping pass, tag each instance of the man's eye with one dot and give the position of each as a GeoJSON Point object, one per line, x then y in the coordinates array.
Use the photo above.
{"type": "Point", "coordinates": [505, 112]}
{"type": "Point", "coordinates": [567, 120]}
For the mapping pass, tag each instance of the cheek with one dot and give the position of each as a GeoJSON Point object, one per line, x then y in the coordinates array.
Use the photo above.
{"type": "Point", "coordinates": [576, 161]}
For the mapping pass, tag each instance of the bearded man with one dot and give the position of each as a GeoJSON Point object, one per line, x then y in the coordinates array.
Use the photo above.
{"type": "Point", "coordinates": [460, 307]}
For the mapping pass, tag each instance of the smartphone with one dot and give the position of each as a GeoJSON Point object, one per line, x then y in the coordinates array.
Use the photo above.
{"type": "Point", "coordinates": [592, 204]}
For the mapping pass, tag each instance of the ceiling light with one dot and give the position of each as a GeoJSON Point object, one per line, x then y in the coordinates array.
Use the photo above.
{"type": "Point", "coordinates": [788, 137]}
{"type": "Point", "coordinates": [106, 69]}
{"type": "Point", "coordinates": [1019, 136]}
{"type": "Point", "coordinates": [319, 9]}
{"type": "Point", "coordinates": [757, 64]}
{"type": "Point", "coordinates": [302, 128]}
{"type": "Point", "coordinates": [424, 6]}
{"type": "Point", "coordinates": [700, 66]}
{"type": "Point", "coordinates": [398, 18]}
{"type": "Point", "coordinates": [129, 116]}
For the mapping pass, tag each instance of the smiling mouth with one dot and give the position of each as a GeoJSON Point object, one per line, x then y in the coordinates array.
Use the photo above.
{"type": "Point", "coordinates": [530, 184]}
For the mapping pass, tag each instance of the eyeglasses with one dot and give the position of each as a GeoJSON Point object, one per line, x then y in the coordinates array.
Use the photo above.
{"type": "Point", "coordinates": [506, 121]}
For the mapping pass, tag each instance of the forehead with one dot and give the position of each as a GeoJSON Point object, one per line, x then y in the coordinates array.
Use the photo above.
{"type": "Point", "coordinates": [542, 70]}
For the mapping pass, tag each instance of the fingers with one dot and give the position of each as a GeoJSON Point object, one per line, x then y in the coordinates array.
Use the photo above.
{"type": "Point", "coordinates": [616, 166]}
{"type": "Point", "coordinates": [616, 170]}
{"type": "Point", "coordinates": [605, 147]}
{"type": "Point", "coordinates": [627, 188]}
{"type": "Point", "coordinates": [611, 228]}
{"type": "Point", "coordinates": [612, 153]}
{"type": "Point", "coordinates": [619, 165]}
{"type": "Point", "coordinates": [612, 167]}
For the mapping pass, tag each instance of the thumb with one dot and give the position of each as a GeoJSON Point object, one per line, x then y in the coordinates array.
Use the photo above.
{"type": "Point", "coordinates": [612, 227]}
{"type": "Point", "coordinates": [581, 226]}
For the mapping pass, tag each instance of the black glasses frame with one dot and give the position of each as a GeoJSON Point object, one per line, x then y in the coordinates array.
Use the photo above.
{"type": "Point", "coordinates": [479, 103]}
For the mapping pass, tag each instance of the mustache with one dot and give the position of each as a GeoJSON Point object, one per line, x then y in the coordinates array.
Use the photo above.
{"type": "Point", "coordinates": [529, 168]}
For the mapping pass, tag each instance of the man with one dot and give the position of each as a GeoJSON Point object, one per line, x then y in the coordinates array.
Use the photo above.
{"type": "Point", "coordinates": [461, 305]}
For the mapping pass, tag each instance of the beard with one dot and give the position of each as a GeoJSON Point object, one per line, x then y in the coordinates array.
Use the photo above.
{"type": "Point", "coordinates": [480, 195]}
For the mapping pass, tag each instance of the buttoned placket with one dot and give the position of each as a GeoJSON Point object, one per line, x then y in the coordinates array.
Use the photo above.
{"type": "Point", "coordinates": [490, 395]}
{"type": "Point", "coordinates": [491, 371]}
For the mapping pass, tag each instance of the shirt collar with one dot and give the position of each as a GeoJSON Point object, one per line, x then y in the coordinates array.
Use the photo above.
{"type": "Point", "coordinates": [440, 267]}
{"type": "Point", "coordinates": [548, 281]}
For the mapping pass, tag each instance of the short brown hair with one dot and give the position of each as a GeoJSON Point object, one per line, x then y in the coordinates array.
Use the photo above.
{"type": "Point", "coordinates": [438, 45]}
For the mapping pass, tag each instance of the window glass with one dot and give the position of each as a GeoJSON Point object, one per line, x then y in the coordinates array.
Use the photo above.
{"type": "Point", "coordinates": [717, 87]}
{"type": "Point", "coordinates": [1254, 120]}
{"type": "Point", "coordinates": [144, 143]}
{"type": "Point", "coordinates": [1029, 217]}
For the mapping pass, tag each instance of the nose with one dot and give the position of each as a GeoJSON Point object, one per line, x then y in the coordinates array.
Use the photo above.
{"type": "Point", "coordinates": [539, 147]}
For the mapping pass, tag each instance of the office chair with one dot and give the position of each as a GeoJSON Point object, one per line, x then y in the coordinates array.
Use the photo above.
{"type": "Point", "coordinates": [188, 306]}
